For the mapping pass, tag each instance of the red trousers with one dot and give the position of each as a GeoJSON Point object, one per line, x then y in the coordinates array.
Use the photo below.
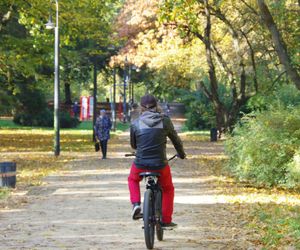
{"type": "Point", "coordinates": [165, 181]}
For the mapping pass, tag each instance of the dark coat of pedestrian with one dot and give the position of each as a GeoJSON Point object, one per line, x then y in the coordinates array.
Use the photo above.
{"type": "Point", "coordinates": [102, 131]}
{"type": "Point", "coordinates": [76, 109]}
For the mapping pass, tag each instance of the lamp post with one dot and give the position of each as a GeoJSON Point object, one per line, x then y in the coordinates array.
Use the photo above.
{"type": "Point", "coordinates": [124, 91]}
{"type": "Point", "coordinates": [114, 111]}
{"type": "Point", "coordinates": [129, 82]}
{"type": "Point", "coordinates": [136, 69]}
{"type": "Point", "coordinates": [131, 68]}
{"type": "Point", "coordinates": [51, 25]}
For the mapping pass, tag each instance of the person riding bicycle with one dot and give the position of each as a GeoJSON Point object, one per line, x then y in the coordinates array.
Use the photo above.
{"type": "Point", "coordinates": [148, 136]}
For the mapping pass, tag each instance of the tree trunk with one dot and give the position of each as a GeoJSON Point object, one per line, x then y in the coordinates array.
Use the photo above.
{"type": "Point", "coordinates": [221, 113]}
{"type": "Point", "coordinates": [225, 117]}
{"type": "Point", "coordinates": [68, 99]}
{"type": "Point", "coordinates": [221, 119]}
{"type": "Point", "coordinates": [279, 43]}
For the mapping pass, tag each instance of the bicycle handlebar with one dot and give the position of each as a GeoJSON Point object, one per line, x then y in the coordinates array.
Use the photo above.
{"type": "Point", "coordinates": [131, 154]}
{"type": "Point", "coordinates": [173, 157]}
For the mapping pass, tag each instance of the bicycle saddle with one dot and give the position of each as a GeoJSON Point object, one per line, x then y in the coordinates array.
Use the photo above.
{"type": "Point", "coordinates": [147, 174]}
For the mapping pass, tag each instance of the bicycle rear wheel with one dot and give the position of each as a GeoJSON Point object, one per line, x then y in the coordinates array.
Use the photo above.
{"type": "Point", "coordinates": [148, 216]}
{"type": "Point", "coordinates": [158, 215]}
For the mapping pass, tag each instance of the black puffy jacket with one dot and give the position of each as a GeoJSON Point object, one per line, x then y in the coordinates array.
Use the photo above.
{"type": "Point", "coordinates": [148, 136]}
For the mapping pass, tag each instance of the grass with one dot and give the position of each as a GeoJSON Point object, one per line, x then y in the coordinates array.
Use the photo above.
{"type": "Point", "coordinates": [88, 125]}
{"type": "Point", "coordinates": [4, 192]}
{"type": "Point", "coordinates": [122, 126]}
{"type": "Point", "coordinates": [32, 152]}
{"type": "Point", "coordinates": [32, 149]}
{"type": "Point", "coordinates": [197, 132]}
{"type": "Point", "coordinates": [85, 125]}
{"type": "Point", "coordinates": [8, 123]}
{"type": "Point", "coordinates": [194, 136]}
{"type": "Point", "coordinates": [277, 225]}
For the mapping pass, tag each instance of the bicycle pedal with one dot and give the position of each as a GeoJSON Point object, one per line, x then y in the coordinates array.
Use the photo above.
{"type": "Point", "coordinates": [168, 228]}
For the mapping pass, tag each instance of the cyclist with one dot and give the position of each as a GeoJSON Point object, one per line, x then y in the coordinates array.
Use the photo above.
{"type": "Point", "coordinates": [148, 136]}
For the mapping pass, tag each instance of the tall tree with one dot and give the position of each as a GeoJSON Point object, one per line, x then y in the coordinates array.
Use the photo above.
{"type": "Point", "coordinates": [279, 43]}
{"type": "Point", "coordinates": [26, 48]}
{"type": "Point", "coordinates": [227, 50]}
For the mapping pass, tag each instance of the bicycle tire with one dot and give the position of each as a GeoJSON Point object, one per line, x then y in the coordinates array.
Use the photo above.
{"type": "Point", "coordinates": [149, 222]}
{"type": "Point", "coordinates": [158, 213]}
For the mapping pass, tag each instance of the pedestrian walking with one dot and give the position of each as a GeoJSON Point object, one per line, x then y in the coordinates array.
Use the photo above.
{"type": "Point", "coordinates": [102, 131]}
{"type": "Point", "coordinates": [168, 108]}
{"type": "Point", "coordinates": [76, 109]}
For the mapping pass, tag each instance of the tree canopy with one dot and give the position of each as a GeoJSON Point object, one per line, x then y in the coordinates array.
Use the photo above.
{"type": "Point", "coordinates": [221, 48]}
{"type": "Point", "coordinates": [26, 48]}
{"type": "Point", "coordinates": [230, 51]}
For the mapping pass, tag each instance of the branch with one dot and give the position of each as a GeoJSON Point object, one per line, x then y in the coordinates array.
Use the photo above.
{"type": "Point", "coordinates": [237, 48]}
{"type": "Point", "coordinates": [206, 91]}
{"type": "Point", "coordinates": [207, 42]}
{"type": "Point", "coordinates": [243, 83]}
{"type": "Point", "coordinates": [276, 80]}
{"type": "Point", "coordinates": [250, 7]}
{"type": "Point", "coordinates": [225, 67]}
{"type": "Point", "coordinates": [252, 60]}
{"type": "Point", "coordinates": [186, 28]}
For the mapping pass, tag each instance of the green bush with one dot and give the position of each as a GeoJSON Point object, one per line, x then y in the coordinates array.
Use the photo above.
{"type": "Point", "coordinates": [66, 121]}
{"type": "Point", "coordinates": [41, 119]}
{"type": "Point", "coordinates": [200, 113]}
{"type": "Point", "coordinates": [286, 95]}
{"type": "Point", "coordinates": [6, 103]}
{"type": "Point", "coordinates": [264, 148]}
{"type": "Point", "coordinates": [45, 119]}
{"type": "Point", "coordinates": [29, 99]}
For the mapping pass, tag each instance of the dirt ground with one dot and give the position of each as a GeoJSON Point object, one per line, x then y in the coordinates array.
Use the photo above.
{"type": "Point", "coordinates": [86, 206]}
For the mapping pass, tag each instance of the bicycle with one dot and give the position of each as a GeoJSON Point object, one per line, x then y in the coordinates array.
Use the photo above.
{"type": "Point", "coordinates": [152, 207]}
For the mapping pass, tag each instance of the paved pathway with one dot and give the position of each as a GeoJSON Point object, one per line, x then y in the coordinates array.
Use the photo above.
{"type": "Point", "coordinates": [86, 207]}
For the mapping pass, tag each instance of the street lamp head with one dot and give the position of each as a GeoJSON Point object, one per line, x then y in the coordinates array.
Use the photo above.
{"type": "Point", "coordinates": [50, 25]}
{"type": "Point", "coordinates": [111, 47]}
{"type": "Point", "coordinates": [137, 69]}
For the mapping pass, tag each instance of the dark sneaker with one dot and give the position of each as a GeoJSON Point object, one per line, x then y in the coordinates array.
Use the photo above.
{"type": "Point", "coordinates": [136, 211]}
{"type": "Point", "coordinates": [172, 224]}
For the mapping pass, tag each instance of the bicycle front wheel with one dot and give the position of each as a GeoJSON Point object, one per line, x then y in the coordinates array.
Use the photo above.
{"type": "Point", "coordinates": [149, 218]}
{"type": "Point", "coordinates": [158, 214]}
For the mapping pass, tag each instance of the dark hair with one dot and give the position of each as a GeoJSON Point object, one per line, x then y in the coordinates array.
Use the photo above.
{"type": "Point", "coordinates": [148, 101]}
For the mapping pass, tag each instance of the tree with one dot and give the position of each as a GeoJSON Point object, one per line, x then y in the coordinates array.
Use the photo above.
{"type": "Point", "coordinates": [164, 57]}
{"type": "Point", "coordinates": [184, 23]}
{"type": "Point", "coordinates": [26, 48]}
{"type": "Point", "coordinates": [220, 45]}
{"type": "Point", "coordinates": [279, 43]}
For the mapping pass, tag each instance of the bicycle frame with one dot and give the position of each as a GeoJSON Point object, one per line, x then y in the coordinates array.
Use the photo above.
{"type": "Point", "coordinates": [151, 182]}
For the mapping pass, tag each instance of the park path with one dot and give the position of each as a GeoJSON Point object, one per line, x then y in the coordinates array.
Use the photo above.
{"type": "Point", "coordinates": [86, 207]}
